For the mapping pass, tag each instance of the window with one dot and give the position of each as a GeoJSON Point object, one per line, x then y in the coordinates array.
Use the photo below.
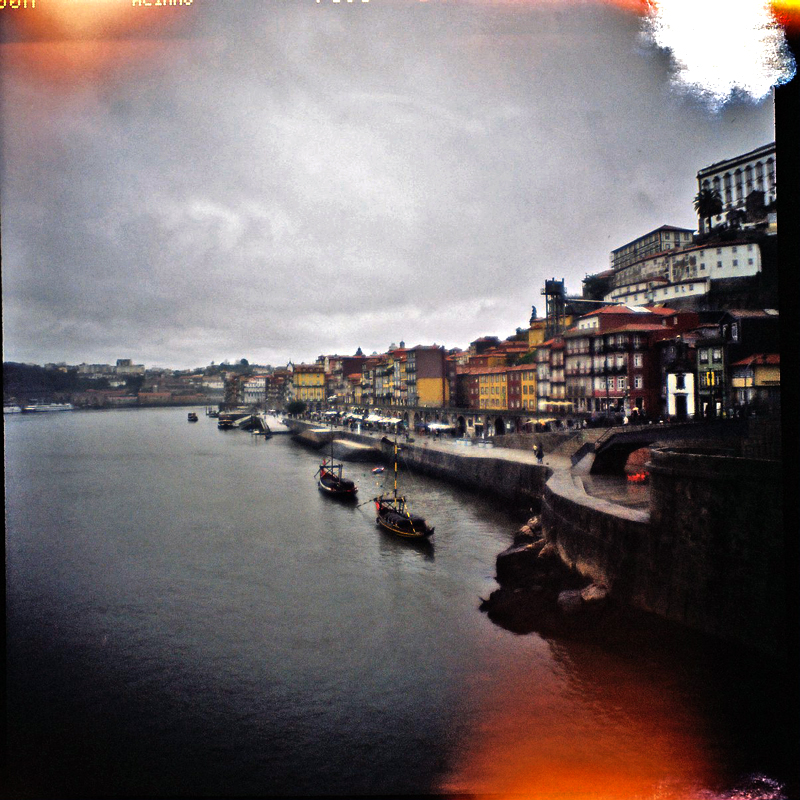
{"type": "Point", "coordinates": [734, 249]}
{"type": "Point", "coordinates": [621, 383]}
{"type": "Point", "coordinates": [637, 360]}
{"type": "Point", "coordinates": [703, 356]}
{"type": "Point", "coordinates": [716, 355]}
{"type": "Point", "coordinates": [680, 380]}
{"type": "Point", "coordinates": [702, 266]}
{"type": "Point", "coordinates": [735, 262]}
{"type": "Point", "coordinates": [637, 382]}
{"type": "Point", "coordinates": [750, 262]}
{"type": "Point", "coordinates": [719, 265]}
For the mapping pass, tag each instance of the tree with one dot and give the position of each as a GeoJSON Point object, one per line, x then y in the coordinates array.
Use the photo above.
{"type": "Point", "coordinates": [708, 204]}
{"type": "Point", "coordinates": [296, 407]}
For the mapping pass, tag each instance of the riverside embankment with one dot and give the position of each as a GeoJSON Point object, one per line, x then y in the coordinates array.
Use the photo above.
{"type": "Point", "coordinates": [706, 553]}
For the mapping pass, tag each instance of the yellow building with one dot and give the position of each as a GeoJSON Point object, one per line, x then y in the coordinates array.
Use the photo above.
{"type": "Point", "coordinates": [309, 383]}
{"type": "Point", "coordinates": [493, 389]}
{"type": "Point", "coordinates": [427, 376]}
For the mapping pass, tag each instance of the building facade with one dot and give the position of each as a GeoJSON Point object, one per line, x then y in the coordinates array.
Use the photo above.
{"type": "Point", "coordinates": [736, 179]}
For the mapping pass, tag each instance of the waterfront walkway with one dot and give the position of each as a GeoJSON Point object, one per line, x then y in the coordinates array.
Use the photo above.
{"type": "Point", "coordinates": [613, 489]}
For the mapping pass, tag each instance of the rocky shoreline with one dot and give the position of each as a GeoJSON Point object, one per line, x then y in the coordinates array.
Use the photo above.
{"type": "Point", "coordinates": [539, 592]}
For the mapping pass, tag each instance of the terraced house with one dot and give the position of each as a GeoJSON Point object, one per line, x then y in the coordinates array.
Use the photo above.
{"type": "Point", "coordinates": [308, 384]}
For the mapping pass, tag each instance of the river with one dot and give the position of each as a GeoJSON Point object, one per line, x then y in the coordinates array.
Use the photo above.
{"type": "Point", "coordinates": [188, 615]}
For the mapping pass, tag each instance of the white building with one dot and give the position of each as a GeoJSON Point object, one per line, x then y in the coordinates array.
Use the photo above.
{"type": "Point", "coordinates": [680, 395]}
{"type": "Point", "coordinates": [255, 389]}
{"type": "Point", "coordinates": [736, 178]}
{"type": "Point", "coordinates": [662, 239]}
{"type": "Point", "coordinates": [685, 272]}
{"type": "Point", "coordinates": [126, 367]}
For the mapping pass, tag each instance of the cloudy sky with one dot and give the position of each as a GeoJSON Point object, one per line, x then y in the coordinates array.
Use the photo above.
{"type": "Point", "coordinates": [277, 180]}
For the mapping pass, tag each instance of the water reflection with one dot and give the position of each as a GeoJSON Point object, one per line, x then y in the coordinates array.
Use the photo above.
{"type": "Point", "coordinates": [391, 546]}
{"type": "Point", "coordinates": [650, 715]}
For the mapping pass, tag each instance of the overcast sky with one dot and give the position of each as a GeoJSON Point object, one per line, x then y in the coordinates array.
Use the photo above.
{"type": "Point", "coordinates": [278, 180]}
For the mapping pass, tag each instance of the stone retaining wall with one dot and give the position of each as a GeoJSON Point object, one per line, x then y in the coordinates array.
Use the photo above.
{"type": "Point", "coordinates": [715, 559]}
{"type": "Point", "coordinates": [519, 482]}
{"type": "Point", "coordinates": [597, 538]}
{"type": "Point", "coordinates": [709, 554]}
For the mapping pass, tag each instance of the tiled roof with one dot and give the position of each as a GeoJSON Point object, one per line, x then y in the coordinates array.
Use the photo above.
{"type": "Point", "coordinates": [767, 359]}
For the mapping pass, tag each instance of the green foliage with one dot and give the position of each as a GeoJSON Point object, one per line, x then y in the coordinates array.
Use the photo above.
{"type": "Point", "coordinates": [528, 358]}
{"type": "Point", "coordinates": [296, 407]}
{"type": "Point", "coordinates": [708, 204]}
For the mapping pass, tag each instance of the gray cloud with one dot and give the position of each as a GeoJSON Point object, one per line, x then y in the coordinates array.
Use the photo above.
{"type": "Point", "coordinates": [292, 180]}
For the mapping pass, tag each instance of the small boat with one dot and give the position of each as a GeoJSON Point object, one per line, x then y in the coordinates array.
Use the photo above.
{"type": "Point", "coordinates": [192, 417]}
{"type": "Point", "coordinates": [394, 515]}
{"type": "Point", "coordinates": [332, 482]}
{"type": "Point", "coordinates": [378, 470]}
{"type": "Point", "coordinates": [226, 422]}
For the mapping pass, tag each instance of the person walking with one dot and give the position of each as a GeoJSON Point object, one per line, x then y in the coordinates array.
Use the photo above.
{"type": "Point", "coordinates": [539, 453]}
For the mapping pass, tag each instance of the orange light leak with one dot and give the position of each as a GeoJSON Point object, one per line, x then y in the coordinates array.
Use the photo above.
{"type": "Point", "coordinates": [76, 41]}
{"type": "Point", "coordinates": [608, 735]}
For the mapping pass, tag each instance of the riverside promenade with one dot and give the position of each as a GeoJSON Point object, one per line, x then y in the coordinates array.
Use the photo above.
{"type": "Point", "coordinates": [475, 457]}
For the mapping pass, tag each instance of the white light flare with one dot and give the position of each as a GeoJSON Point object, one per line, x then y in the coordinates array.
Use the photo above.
{"type": "Point", "coordinates": [721, 48]}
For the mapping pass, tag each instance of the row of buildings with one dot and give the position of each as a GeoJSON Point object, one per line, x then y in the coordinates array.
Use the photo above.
{"type": "Point", "coordinates": [648, 361]}
{"type": "Point", "coordinates": [677, 326]}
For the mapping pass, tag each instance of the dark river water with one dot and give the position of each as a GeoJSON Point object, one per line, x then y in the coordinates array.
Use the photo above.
{"type": "Point", "coordinates": [188, 615]}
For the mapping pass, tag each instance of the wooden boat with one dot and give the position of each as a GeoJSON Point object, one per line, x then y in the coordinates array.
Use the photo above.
{"type": "Point", "coordinates": [394, 515]}
{"type": "Point", "coordinates": [192, 417]}
{"type": "Point", "coordinates": [332, 482]}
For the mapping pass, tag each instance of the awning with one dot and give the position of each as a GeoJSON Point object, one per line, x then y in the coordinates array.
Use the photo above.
{"type": "Point", "coordinates": [373, 418]}
{"type": "Point", "coordinates": [439, 426]}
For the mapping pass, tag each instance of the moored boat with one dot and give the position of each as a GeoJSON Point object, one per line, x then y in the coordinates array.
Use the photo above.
{"type": "Point", "coordinates": [395, 517]}
{"type": "Point", "coordinates": [33, 407]}
{"type": "Point", "coordinates": [192, 417]}
{"type": "Point", "coordinates": [333, 483]}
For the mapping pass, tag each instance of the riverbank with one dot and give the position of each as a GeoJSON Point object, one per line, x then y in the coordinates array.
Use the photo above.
{"type": "Point", "coordinates": [704, 551]}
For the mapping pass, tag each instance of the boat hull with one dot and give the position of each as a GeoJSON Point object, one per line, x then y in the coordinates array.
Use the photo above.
{"type": "Point", "coordinates": [334, 486]}
{"type": "Point", "coordinates": [405, 526]}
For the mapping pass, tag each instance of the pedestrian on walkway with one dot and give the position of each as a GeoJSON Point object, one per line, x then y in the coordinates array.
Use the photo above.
{"type": "Point", "coordinates": [539, 453]}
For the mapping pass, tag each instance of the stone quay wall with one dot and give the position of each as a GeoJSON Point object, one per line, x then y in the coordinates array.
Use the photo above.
{"type": "Point", "coordinates": [715, 557]}
{"type": "Point", "coordinates": [709, 553]}
{"type": "Point", "coordinates": [516, 481]}
{"type": "Point", "coordinates": [599, 539]}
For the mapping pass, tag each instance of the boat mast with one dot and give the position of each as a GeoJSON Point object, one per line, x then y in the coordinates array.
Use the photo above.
{"type": "Point", "coordinates": [395, 466]}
